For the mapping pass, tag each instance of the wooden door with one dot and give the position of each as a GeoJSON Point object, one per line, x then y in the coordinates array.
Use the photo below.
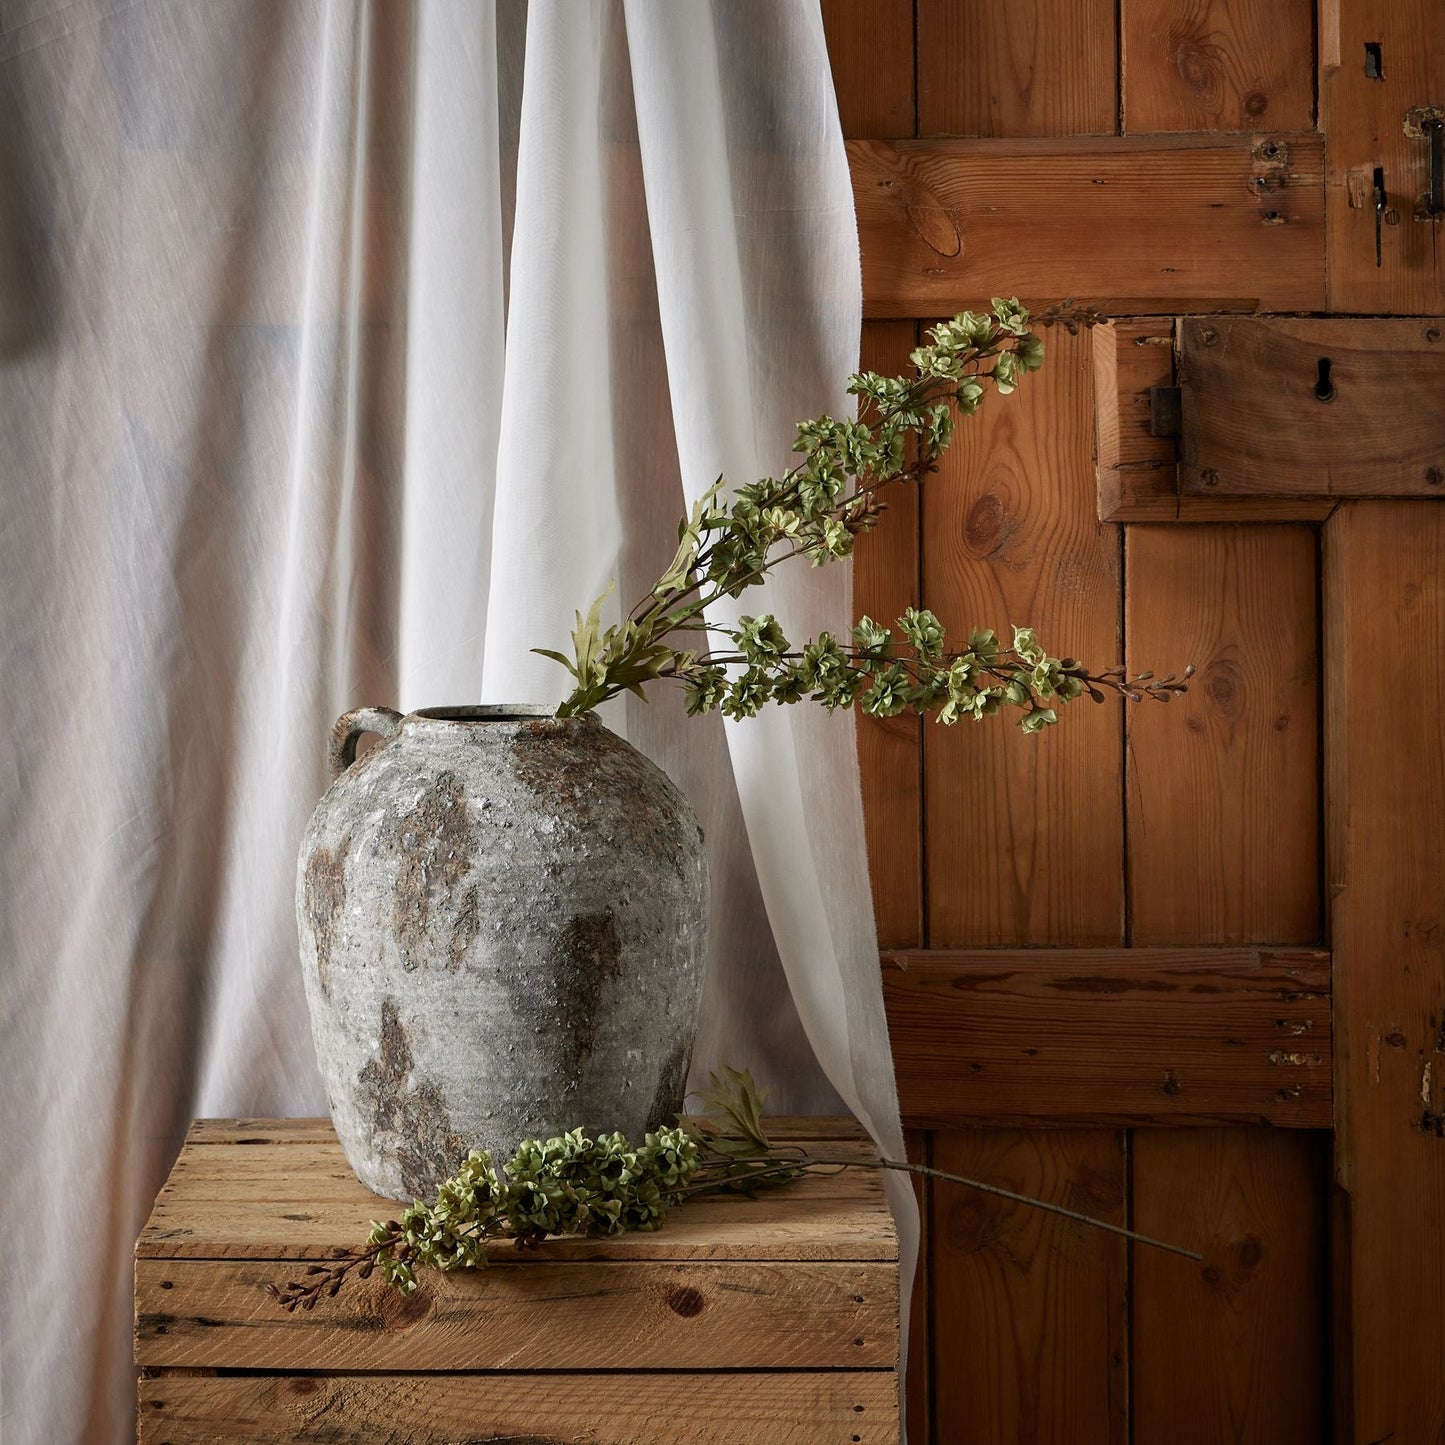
{"type": "Point", "coordinates": [1179, 967]}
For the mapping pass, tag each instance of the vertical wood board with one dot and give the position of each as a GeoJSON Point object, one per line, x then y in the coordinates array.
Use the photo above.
{"type": "Point", "coordinates": [1232, 1349]}
{"type": "Point", "coordinates": [870, 48]}
{"type": "Point", "coordinates": [1217, 65]}
{"type": "Point", "coordinates": [1033, 67]}
{"type": "Point", "coordinates": [1223, 803]}
{"type": "Point", "coordinates": [1385, 615]}
{"type": "Point", "coordinates": [1030, 1342]}
{"type": "Point", "coordinates": [1017, 851]}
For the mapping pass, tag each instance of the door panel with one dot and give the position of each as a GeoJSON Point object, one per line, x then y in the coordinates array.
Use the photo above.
{"type": "Point", "coordinates": [1164, 160]}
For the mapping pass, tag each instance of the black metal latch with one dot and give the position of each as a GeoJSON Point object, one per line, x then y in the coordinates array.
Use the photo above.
{"type": "Point", "coordinates": [1427, 123]}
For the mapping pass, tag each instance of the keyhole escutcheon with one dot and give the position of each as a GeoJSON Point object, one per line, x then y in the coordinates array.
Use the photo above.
{"type": "Point", "coordinates": [1324, 387]}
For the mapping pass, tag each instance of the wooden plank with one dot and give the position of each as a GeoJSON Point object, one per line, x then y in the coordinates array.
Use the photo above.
{"type": "Point", "coordinates": [1111, 1036]}
{"type": "Point", "coordinates": [281, 1189]}
{"type": "Point", "coordinates": [1234, 1348]}
{"type": "Point", "coordinates": [1223, 803]}
{"type": "Point", "coordinates": [1132, 225]}
{"type": "Point", "coordinates": [1217, 65]}
{"type": "Point", "coordinates": [1138, 480]}
{"type": "Point", "coordinates": [1363, 120]}
{"type": "Point", "coordinates": [885, 582]}
{"type": "Point", "coordinates": [1033, 68]}
{"type": "Point", "coordinates": [260, 1131]}
{"type": "Point", "coordinates": [787, 1407]}
{"type": "Point", "coordinates": [1030, 1322]}
{"type": "Point", "coordinates": [1010, 536]}
{"type": "Point", "coordinates": [613, 1316]}
{"type": "Point", "coordinates": [776, 1226]}
{"type": "Point", "coordinates": [870, 48]}
{"type": "Point", "coordinates": [1384, 619]}
{"type": "Point", "coordinates": [1255, 422]}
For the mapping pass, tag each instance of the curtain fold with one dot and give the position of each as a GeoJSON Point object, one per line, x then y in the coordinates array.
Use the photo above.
{"type": "Point", "coordinates": [345, 349]}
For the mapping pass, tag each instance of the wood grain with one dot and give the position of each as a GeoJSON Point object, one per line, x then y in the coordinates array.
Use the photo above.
{"type": "Point", "coordinates": [870, 48]}
{"type": "Point", "coordinates": [1010, 536]}
{"type": "Point", "coordinates": [1015, 856]}
{"type": "Point", "coordinates": [1132, 225]}
{"type": "Point", "coordinates": [885, 582]}
{"type": "Point", "coordinates": [1384, 615]}
{"type": "Point", "coordinates": [1217, 65]}
{"type": "Point", "coordinates": [1111, 1036]}
{"type": "Point", "coordinates": [617, 1315]}
{"type": "Point", "coordinates": [1034, 68]}
{"type": "Point", "coordinates": [1223, 804]}
{"type": "Point", "coordinates": [789, 1408]}
{"type": "Point", "coordinates": [1030, 1324]}
{"type": "Point", "coordinates": [1254, 424]}
{"type": "Point", "coordinates": [1234, 1348]}
{"type": "Point", "coordinates": [273, 1189]}
{"type": "Point", "coordinates": [1138, 476]}
{"type": "Point", "coordinates": [1363, 122]}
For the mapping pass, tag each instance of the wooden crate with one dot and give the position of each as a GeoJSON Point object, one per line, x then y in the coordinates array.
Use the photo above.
{"type": "Point", "coordinates": [772, 1319]}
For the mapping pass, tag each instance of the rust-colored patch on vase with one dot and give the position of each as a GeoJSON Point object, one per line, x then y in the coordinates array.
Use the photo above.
{"type": "Point", "coordinates": [435, 842]}
{"type": "Point", "coordinates": [587, 955]}
{"type": "Point", "coordinates": [410, 1112]}
{"type": "Point", "coordinates": [325, 892]}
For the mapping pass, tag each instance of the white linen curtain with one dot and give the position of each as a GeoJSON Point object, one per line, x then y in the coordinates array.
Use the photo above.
{"type": "Point", "coordinates": [345, 349]}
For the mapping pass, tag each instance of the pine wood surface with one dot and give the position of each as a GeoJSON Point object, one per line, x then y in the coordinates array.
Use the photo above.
{"type": "Point", "coordinates": [1111, 1036]}
{"type": "Point", "coordinates": [282, 1190]}
{"type": "Point", "coordinates": [1233, 1349]}
{"type": "Point", "coordinates": [1217, 65]}
{"type": "Point", "coordinates": [1254, 424]}
{"type": "Point", "coordinates": [1363, 123]}
{"type": "Point", "coordinates": [1131, 225]}
{"type": "Point", "coordinates": [735, 1408]}
{"type": "Point", "coordinates": [1040, 69]}
{"type": "Point", "coordinates": [1385, 613]}
{"type": "Point", "coordinates": [870, 47]}
{"type": "Point", "coordinates": [1223, 801]}
{"type": "Point", "coordinates": [1010, 536]}
{"type": "Point", "coordinates": [1138, 471]}
{"type": "Point", "coordinates": [1029, 1309]}
{"type": "Point", "coordinates": [548, 1315]}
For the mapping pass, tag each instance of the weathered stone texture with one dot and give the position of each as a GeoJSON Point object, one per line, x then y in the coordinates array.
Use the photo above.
{"type": "Point", "coordinates": [502, 918]}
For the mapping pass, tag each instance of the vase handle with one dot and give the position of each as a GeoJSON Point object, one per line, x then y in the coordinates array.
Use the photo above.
{"type": "Point", "coordinates": [341, 751]}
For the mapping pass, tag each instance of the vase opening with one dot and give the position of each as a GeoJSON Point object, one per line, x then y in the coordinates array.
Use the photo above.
{"type": "Point", "coordinates": [488, 712]}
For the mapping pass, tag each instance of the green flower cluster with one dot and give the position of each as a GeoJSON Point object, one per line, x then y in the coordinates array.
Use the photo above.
{"type": "Point", "coordinates": [572, 1184]}
{"type": "Point", "coordinates": [817, 511]}
{"type": "Point", "coordinates": [886, 672]}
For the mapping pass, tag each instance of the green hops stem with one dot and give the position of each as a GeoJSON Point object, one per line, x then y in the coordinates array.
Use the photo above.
{"type": "Point", "coordinates": [835, 493]}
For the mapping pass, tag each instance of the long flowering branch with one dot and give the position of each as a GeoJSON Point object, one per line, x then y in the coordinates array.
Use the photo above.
{"type": "Point", "coordinates": [837, 491]}
{"type": "Point", "coordinates": [576, 1185]}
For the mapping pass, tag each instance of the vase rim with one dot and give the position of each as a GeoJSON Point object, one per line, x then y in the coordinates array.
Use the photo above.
{"type": "Point", "coordinates": [473, 714]}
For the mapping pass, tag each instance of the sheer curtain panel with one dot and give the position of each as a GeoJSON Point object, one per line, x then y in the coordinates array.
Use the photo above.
{"type": "Point", "coordinates": [345, 349]}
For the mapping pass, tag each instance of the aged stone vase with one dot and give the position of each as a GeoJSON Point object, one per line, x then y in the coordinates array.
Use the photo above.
{"type": "Point", "coordinates": [503, 920]}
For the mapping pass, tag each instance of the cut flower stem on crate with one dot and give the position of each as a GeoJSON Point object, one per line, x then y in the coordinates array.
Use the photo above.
{"type": "Point", "coordinates": [605, 1186]}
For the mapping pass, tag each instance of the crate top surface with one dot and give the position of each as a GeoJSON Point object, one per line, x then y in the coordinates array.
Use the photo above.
{"type": "Point", "coordinates": [282, 1189]}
